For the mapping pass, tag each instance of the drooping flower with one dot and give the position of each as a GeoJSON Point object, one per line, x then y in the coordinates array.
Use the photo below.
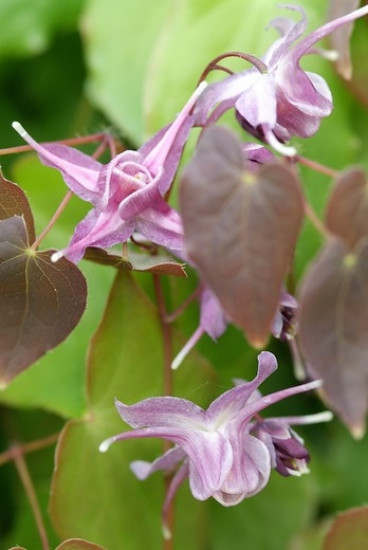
{"type": "Point", "coordinates": [127, 193]}
{"type": "Point", "coordinates": [226, 451]}
{"type": "Point", "coordinates": [276, 99]}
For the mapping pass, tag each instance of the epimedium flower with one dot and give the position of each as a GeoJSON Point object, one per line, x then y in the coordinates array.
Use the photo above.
{"type": "Point", "coordinates": [227, 451]}
{"type": "Point", "coordinates": [276, 99]}
{"type": "Point", "coordinates": [128, 192]}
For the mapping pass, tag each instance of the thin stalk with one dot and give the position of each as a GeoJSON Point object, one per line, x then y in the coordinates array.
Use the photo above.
{"type": "Point", "coordinates": [30, 447]}
{"type": "Point", "coordinates": [23, 472]}
{"type": "Point", "coordinates": [71, 141]}
{"type": "Point", "coordinates": [168, 544]}
{"type": "Point", "coordinates": [53, 220]}
{"type": "Point", "coordinates": [317, 166]}
{"type": "Point", "coordinates": [316, 222]}
{"type": "Point", "coordinates": [171, 317]}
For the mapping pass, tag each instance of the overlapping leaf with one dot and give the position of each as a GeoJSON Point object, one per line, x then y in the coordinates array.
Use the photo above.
{"type": "Point", "coordinates": [334, 303]}
{"type": "Point", "coordinates": [347, 210]}
{"type": "Point", "coordinates": [240, 228]}
{"type": "Point", "coordinates": [349, 530]}
{"type": "Point", "coordinates": [40, 302]}
{"type": "Point", "coordinates": [333, 328]}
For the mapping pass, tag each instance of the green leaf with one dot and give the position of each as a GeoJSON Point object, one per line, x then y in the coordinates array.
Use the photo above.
{"type": "Point", "coordinates": [266, 521]}
{"type": "Point", "coordinates": [125, 361]}
{"type": "Point", "coordinates": [119, 37]}
{"type": "Point", "coordinates": [41, 302]}
{"type": "Point", "coordinates": [349, 530]}
{"type": "Point", "coordinates": [29, 26]}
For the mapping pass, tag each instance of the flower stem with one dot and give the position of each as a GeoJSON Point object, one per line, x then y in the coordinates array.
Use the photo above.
{"type": "Point", "coordinates": [168, 544]}
{"type": "Point", "coordinates": [53, 220]}
{"type": "Point", "coordinates": [20, 463]}
{"type": "Point", "coordinates": [314, 219]}
{"type": "Point", "coordinates": [30, 447]}
{"type": "Point", "coordinates": [71, 141]}
{"type": "Point", "coordinates": [317, 166]}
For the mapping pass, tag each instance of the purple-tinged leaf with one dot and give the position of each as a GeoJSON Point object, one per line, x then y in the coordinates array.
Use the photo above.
{"type": "Point", "coordinates": [161, 265]}
{"type": "Point", "coordinates": [340, 38]}
{"type": "Point", "coordinates": [334, 326]}
{"type": "Point", "coordinates": [349, 531]}
{"type": "Point", "coordinates": [40, 301]}
{"type": "Point", "coordinates": [240, 229]}
{"type": "Point", "coordinates": [79, 544]}
{"type": "Point", "coordinates": [347, 210]}
{"type": "Point", "coordinates": [13, 202]}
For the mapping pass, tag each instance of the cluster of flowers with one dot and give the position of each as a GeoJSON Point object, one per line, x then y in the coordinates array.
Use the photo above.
{"type": "Point", "coordinates": [228, 450]}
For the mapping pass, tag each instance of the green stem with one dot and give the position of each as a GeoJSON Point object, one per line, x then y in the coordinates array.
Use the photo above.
{"type": "Point", "coordinates": [168, 544]}
{"type": "Point", "coordinates": [23, 472]}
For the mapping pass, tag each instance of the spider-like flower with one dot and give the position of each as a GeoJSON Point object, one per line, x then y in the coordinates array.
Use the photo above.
{"type": "Point", "coordinates": [276, 99]}
{"type": "Point", "coordinates": [227, 451]}
{"type": "Point", "coordinates": [127, 193]}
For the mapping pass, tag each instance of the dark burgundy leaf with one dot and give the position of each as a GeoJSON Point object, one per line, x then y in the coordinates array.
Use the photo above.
{"type": "Point", "coordinates": [347, 210]}
{"type": "Point", "coordinates": [40, 301]}
{"type": "Point", "coordinates": [349, 531]}
{"type": "Point", "coordinates": [13, 202]}
{"type": "Point", "coordinates": [240, 229]}
{"type": "Point", "coordinates": [334, 328]}
{"type": "Point", "coordinates": [161, 265]}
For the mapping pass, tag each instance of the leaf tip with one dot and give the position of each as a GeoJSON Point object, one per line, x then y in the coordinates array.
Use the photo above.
{"type": "Point", "coordinates": [357, 431]}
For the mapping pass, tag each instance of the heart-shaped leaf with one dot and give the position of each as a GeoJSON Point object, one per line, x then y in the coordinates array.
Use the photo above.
{"type": "Point", "coordinates": [349, 530]}
{"type": "Point", "coordinates": [40, 301]}
{"type": "Point", "coordinates": [240, 229]}
{"type": "Point", "coordinates": [13, 202]}
{"type": "Point", "coordinates": [125, 361]}
{"type": "Point", "coordinates": [334, 327]}
{"type": "Point", "coordinates": [347, 210]}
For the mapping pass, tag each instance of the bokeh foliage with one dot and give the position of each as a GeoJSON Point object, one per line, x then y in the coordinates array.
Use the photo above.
{"type": "Point", "coordinates": [74, 67]}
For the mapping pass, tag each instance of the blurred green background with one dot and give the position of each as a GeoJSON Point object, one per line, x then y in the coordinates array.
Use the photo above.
{"type": "Point", "coordinates": [76, 67]}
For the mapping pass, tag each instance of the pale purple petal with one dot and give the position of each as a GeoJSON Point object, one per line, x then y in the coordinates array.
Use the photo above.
{"type": "Point", "coordinates": [161, 412]}
{"type": "Point", "coordinates": [236, 399]}
{"type": "Point", "coordinates": [257, 104]}
{"type": "Point", "coordinates": [249, 473]}
{"type": "Point", "coordinates": [210, 462]}
{"type": "Point", "coordinates": [212, 319]}
{"type": "Point", "coordinates": [290, 31]}
{"type": "Point", "coordinates": [139, 201]}
{"type": "Point", "coordinates": [99, 228]}
{"type": "Point", "coordinates": [162, 226]}
{"type": "Point", "coordinates": [245, 415]}
{"type": "Point", "coordinates": [80, 172]}
{"type": "Point", "coordinates": [306, 44]}
{"type": "Point", "coordinates": [167, 462]}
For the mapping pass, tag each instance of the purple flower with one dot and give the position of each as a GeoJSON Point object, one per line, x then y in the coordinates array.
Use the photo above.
{"type": "Point", "coordinates": [276, 99]}
{"type": "Point", "coordinates": [225, 453]}
{"type": "Point", "coordinates": [127, 193]}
